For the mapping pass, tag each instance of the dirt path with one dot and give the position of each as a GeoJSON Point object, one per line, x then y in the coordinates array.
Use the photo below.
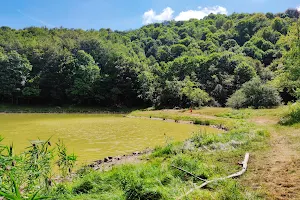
{"type": "Point", "coordinates": [277, 171]}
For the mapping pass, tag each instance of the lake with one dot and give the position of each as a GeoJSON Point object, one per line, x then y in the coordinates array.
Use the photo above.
{"type": "Point", "coordinates": [92, 136]}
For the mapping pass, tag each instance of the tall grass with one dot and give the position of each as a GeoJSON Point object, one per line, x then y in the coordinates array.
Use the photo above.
{"type": "Point", "coordinates": [30, 173]}
{"type": "Point", "coordinates": [292, 116]}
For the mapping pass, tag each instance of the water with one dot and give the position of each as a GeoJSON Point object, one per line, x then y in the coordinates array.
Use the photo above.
{"type": "Point", "coordinates": [92, 136]}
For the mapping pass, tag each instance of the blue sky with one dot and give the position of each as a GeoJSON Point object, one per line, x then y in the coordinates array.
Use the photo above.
{"type": "Point", "coordinates": [123, 14]}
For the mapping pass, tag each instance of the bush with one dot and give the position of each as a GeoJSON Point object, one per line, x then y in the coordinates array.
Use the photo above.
{"type": "Point", "coordinates": [255, 94]}
{"type": "Point", "coordinates": [237, 100]}
{"type": "Point", "coordinates": [293, 115]}
{"type": "Point", "coordinates": [204, 138]}
{"type": "Point", "coordinates": [83, 188]}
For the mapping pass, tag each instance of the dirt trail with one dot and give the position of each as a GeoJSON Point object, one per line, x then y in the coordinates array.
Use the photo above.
{"type": "Point", "coordinates": [277, 171]}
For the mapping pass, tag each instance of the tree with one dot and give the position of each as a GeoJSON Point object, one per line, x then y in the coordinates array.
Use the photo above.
{"type": "Point", "coordinates": [278, 25]}
{"type": "Point", "coordinates": [150, 65]}
{"type": "Point", "coordinates": [14, 71]}
{"type": "Point", "coordinates": [244, 73]}
{"type": "Point", "coordinates": [56, 77]}
{"type": "Point", "coordinates": [255, 94]}
{"type": "Point", "coordinates": [85, 76]}
{"type": "Point", "coordinates": [177, 50]}
{"type": "Point", "coordinates": [231, 43]}
{"type": "Point", "coordinates": [292, 13]}
{"type": "Point", "coordinates": [194, 95]}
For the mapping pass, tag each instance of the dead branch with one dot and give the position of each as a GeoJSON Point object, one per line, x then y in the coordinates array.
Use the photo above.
{"type": "Point", "coordinates": [244, 168]}
{"type": "Point", "coordinates": [189, 173]}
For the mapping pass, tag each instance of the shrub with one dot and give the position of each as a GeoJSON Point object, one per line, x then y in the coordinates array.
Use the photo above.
{"type": "Point", "coordinates": [237, 100]}
{"type": "Point", "coordinates": [83, 188]}
{"type": "Point", "coordinates": [204, 138]}
{"type": "Point", "coordinates": [163, 151]}
{"type": "Point", "coordinates": [201, 122]}
{"type": "Point", "coordinates": [293, 115]}
{"type": "Point", "coordinates": [255, 94]}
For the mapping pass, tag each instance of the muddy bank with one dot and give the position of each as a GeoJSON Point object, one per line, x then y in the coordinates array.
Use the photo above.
{"type": "Point", "coordinates": [219, 126]}
{"type": "Point", "coordinates": [108, 162]}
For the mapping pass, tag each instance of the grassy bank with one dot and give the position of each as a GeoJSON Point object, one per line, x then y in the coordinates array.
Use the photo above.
{"type": "Point", "coordinates": [206, 155]}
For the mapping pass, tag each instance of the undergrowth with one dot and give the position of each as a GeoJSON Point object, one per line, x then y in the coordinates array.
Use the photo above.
{"type": "Point", "coordinates": [292, 116]}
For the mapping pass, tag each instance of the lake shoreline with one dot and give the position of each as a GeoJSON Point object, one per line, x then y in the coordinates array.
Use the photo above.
{"type": "Point", "coordinates": [65, 109]}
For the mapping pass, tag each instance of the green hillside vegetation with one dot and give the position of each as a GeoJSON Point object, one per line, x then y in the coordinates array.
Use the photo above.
{"type": "Point", "coordinates": [192, 63]}
{"type": "Point", "coordinates": [234, 72]}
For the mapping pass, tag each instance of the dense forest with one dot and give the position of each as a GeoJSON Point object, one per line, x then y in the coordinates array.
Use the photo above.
{"type": "Point", "coordinates": [238, 60]}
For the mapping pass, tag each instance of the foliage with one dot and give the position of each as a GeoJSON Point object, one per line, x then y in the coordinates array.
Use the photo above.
{"type": "Point", "coordinates": [255, 94]}
{"type": "Point", "coordinates": [27, 175]}
{"type": "Point", "coordinates": [65, 162]}
{"type": "Point", "coordinates": [143, 67]}
{"type": "Point", "coordinates": [15, 193]}
{"type": "Point", "coordinates": [292, 116]}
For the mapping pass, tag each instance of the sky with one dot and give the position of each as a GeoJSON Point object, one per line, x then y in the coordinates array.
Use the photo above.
{"type": "Point", "coordinates": [124, 14]}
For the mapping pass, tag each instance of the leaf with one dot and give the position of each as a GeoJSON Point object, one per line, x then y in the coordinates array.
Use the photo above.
{"type": "Point", "coordinates": [16, 188]}
{"type": "Point", "coordinates": [9, 196]}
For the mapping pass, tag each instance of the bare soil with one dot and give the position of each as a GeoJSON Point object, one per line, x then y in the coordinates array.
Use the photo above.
{"type": "Point", "coordinates": [276, 172]}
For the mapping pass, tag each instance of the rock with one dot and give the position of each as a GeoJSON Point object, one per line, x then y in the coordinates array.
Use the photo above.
{"type": "Point", "coordinates": [99, 162]}
{"type": "Point", "coordinates": [92, 165]}
{"type": "Point", "coordinates": [118, 158]}
{"type": "Point", "coordinates": [136, 153]}
{"type": "Point", "coordinates": [107, 159]}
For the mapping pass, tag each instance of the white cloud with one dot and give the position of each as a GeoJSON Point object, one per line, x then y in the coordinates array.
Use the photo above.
{"type": "Point", "coordinates": [151, 16]}
{"type": "Point", "coordinates": [298, 8]}
{"type": "Point", "coordinates": [167, 14]}
{"type": "Point", "coordinates": [201, 13]}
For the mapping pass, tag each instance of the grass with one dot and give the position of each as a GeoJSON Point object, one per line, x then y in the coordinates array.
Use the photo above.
{"type": "Point", "coordinates": [185, 116]}
{"type": "Point", "coordinates": [206, 154]}
{"type": "Point", "coordinates": [292, 116]}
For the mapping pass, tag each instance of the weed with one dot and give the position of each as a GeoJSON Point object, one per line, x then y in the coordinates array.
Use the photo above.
{"type": "Point", "coordinates": [65, 162]}
{"type": "Point", "coordinates": [292, 116]}
{"type": "Point", "coordinates": [83, 188]}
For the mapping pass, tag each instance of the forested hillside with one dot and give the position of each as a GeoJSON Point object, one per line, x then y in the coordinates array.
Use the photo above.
{"type": "Point", "coordinates": [192, 63]}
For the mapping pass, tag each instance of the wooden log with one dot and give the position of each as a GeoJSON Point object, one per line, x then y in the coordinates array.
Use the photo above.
{"type": "Point", "coordinates": [244, 169]}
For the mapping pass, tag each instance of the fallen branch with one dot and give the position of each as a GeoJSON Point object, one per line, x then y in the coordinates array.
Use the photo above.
{"type": "Point", "coordinates": [244, 168]}
{"type": "Point", "coordinates": [189, 173]}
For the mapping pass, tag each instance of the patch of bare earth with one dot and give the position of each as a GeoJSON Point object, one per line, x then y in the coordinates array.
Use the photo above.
{"type": "Point", "coordinates": [264, 120]}
{"type": "Point", "coordinates": [108, 162]}
{"type": "Point", "coordinates": [277, 171]}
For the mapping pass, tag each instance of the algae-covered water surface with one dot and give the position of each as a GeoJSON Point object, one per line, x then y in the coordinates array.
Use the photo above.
{"type": "Point", "coordinates": [92, 136]}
